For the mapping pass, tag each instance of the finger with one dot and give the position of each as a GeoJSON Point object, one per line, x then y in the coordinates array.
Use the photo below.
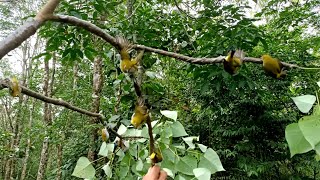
{"type": "Point", "coordinates": [155, 170]}
{"type": "Point", "coordinates": [153, 173]}
{"type": "Point", "coordinates": [163, 175]}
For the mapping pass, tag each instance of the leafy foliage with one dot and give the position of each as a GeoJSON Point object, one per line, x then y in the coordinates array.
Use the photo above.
{"type": "Point", "coordinates": [249, 121]}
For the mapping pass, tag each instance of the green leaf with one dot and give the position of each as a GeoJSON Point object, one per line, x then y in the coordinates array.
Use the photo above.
{"type": "Point", "coordinates": [296, 141]}
{"type": "Point", "coordinates": [106, 149]}
{"type": "Point", "coordinates": [166, 133]}
{"type": "Point", "coordinates": [122, 129]}
{"type": "Point", "coordinates": [155, 88]}
{"type": "Point", "coordinates": [318, 83]}
{"type": "Point", "coordinates": [110, 147]}
{"type": "Point", "coordinates": [178, 129]}
{"type": "Point", "coordinates": [133, 132]}
{"type": "Point", "coordinates": [150, 74]}
{"type": "Point", "coordinates": [317, 157]}
{"type": "Point", "coordinates": [169, 172]}
{"type": "Point", "coordinates": [183, 177]}
{"type": "Point", "coordinates": [186, 164]}
{"type": "Point", "coordinates": [317, 149]}
{"type": "Point", "coordinates": [103, 150]}
{"type": "Point", "coordinates": [305, 102]}
{"type": "Point", "coordinates": [202, 147]}
{"type": "Point", "coordinates": [84, 169]}
{"type": "Point", "coordinates": [190, 141]}
{"type": "Point", "coordinates": [202, 173]}
{"type": "Point", "coordinates": [184, 44]}
{"type": "Point", "coordinates": [180, 146]}
{"type": "Point", "coordinates": [170, 114]}
{"type": "Point", "coordinates": [168, 154]}
{"type": "Point", "coordinates": [153, 123]}
{"type": "Point", "coordinates": [107, 169]}
{"type": "Point", "coordinates": [113, 118]}
{"type": "Point", "coordinates": [123, 171]}
{"type": "Point", "coordinates": [47, 57]}
{"type": "Point", "coordinates": [211, 161]}
{"type": "Point", "coordinates": [310, 128]}
{"type": "Point", "coordinates": [316, 110]}
{"type": "Point", "coordinates": [139, 166]}
{"type": "Point", "coordinates": [168, 165]}
{"type": "Point", "coordinates": [116, 82]}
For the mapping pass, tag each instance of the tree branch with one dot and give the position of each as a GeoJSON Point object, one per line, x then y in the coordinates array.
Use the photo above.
{"type": "Point", "coordinates": [4, 83]}
{"type": "Point", "coordinates": [108, 38]}
{"type": "Point", "coordinates": [86, 25]}
{"type": "Point", "coordinates": [47, 10]}
{"type": "Point", "coordinates": [28, 29]}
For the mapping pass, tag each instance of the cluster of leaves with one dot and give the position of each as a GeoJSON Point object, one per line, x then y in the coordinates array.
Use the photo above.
{"type": "Point", "coordinates": [4, 139]}
{"type": "Point", "coordinates": [242, 117]}
{"type": "Point", "coordinates": [181, 159]}
{"type": "Point", "coordinates": [304, 135]}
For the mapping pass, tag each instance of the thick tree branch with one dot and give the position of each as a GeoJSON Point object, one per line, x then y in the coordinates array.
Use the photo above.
{"type": "Point", "coordinates": [47, 10]}
{"type": "Point", "coordinates": [86, 25]}
{"type": "Point", "coordinates": [108, 38]}
{"type": "Point", "coordinates": [26, 91]}
{"type": "Point", "coordinates": [4, 83]}
{"type": "Point", "coordinates": [28, 29]}
{"type": "Point", "coordinates": [14, 40]}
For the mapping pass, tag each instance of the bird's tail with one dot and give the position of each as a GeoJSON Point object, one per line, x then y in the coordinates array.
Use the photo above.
{"type": "Point", "coordinates": [239, 54]}
{"type": "Point", "coordinates": [125, 47]}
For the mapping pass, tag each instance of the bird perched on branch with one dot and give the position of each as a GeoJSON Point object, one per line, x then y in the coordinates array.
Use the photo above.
{"type": "Point", "coordinates": [128, 64]}
{"type": "Point", "coordinates": [273, 67]}
{"type": "Point", "coordinates": [14, 89]}
{"type": "Point", "coordinates": [156, 156]}
{"type": "Point", "coordinates": [233, 61]}
{"type": "Point", "coordinates": [140, 115]}
{"type": "Point", "coordinates": [104, 134]}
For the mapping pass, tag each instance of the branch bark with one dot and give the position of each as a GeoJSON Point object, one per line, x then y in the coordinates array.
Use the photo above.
{"type": "Point", "coordinates": [26, 91]}
{"type": "Point", "coordinates": [108, 38]}
{"type": "Point", "coordinates": [28, 29]}
{"type": "Point", "coordinates": [96, 94]}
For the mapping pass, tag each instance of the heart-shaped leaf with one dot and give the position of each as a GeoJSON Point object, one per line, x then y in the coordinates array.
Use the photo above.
{"type": "Point", "coordinates": [170, 114]}
{"type": "Point", "coordinates": [296, 141]}
{"type": "Point", "coordinates": [84, 169]}
{"type": "Point", "coordinates": [305, 102]}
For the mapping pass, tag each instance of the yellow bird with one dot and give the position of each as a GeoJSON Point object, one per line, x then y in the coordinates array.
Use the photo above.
{"type": "Point", "coordinates": [128, 64]}
{"type": "Point", "coordinates": [233, 61]}
{"type": "Point", "coordinates": [104, 134]}
{"type": "Point", "coordinates": [156, 156]}
{"type": "Point", "coordinates": [273, 67]}
{"type": "Point", "coordinates": [14, 89]}
{"type": "Point", "coordinates": [139, 116]}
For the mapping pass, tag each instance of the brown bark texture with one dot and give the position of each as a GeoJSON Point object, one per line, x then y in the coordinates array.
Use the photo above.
{"type": "Point", "coordinates": [96, 90]}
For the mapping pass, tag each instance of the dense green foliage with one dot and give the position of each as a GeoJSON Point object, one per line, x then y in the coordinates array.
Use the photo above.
{"type": "Point", "coordinates": [242, 118]}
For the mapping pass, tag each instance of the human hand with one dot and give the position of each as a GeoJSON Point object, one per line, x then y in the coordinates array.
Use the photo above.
{"type": "Point", "coordinates": [154, 173]}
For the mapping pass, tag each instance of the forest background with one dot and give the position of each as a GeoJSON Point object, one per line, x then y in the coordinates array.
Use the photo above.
{"type": "Point", "coordinates": [207, 123]}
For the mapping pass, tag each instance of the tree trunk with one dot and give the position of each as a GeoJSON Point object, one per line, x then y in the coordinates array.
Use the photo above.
{"type": "Point", "coordinates": [59, 162]}
{"type": "Point", "coordinates": [25, 160]}
{"type": "Point", "coordinates": [47, 90]}
{"type": "Point", "coordinates": [8, 169]}
{"type": "Point", "coordinates": [43, 159]}
{"type": "Point", "coordinates": [97, 87]}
